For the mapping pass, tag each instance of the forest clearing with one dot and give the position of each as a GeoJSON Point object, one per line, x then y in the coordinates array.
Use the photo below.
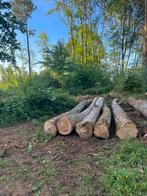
{"type": "Point", "coordinates": [32, 163]}
{"type": "Point", "coordinates": [73, 97]}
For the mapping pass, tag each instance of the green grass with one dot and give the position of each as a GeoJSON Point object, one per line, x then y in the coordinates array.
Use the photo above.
{"type": "Point", "coordinates": [41, 136]}
{"type": "Point", "coordinates": [2, 162]}
{"type": "Point", "coordinates": [125, 171]}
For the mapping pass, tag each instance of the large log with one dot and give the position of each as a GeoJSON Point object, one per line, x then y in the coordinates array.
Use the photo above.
{"type": "Point", "coordinates": [125, 128]}
{"type": "Point", "coordinates": [139, 105]}
{"type": "Point", "coordinates": [50, 125]}
{"type": "Point", "coordinates": [67, 122]}
{"type": "Point", "coordinates": [86, 126]}
{"type": "Point", "coordinates": [101, 128]}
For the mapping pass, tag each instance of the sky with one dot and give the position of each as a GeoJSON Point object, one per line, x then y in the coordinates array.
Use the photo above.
{"type": "Point", "coordinates": [52, 25]}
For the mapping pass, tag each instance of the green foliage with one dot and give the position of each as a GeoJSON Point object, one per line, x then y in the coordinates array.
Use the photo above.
{"type": "Point", "coordinates": [135, 82]}
{"type": "Point", "coordinates": [34, 105]}
{"type": "Point", "coordinates": [38, 186]}
{"type": "Point", "coordinates": [132, 81]}
{"type": "Point", "coordinates": [29, 148]}
{"type": "Point", "coordinates": [8, 27]}
{"type": "Point", "coordinates": [2, 162]}
{"type": "Point", "coordinates": [126, 170]}
{"type": "Point", "coordinates": [41, 136]}
{"type": "Point", "coordinates": [87, 78]}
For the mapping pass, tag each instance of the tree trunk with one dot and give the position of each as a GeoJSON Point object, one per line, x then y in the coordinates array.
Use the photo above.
{"type": "Point", "coordinates": [50, 125]}
{"type": "Point", "coordinates": [102, 126]}
{"type": "Point", "coordinates": [139, 105]}
{"type": "Point", "coordinates": [125, 128]}
{"type": "Point", "coordinates": [29, 55]}
{"type": "Point", "coordinates": [86, 126]}
{"type": "Point", "coordinates": [67, 122]}
{"type": "Point", "coordinates": [145, 37]}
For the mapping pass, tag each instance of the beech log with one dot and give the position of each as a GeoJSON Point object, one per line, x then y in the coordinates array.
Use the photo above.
{"type": "Point", "coordinates": [50, 125]}
{"type": "Point", "coordinates": [125, 128]}
{"type": "Point", "coordinates": [66, 123]}
{"type": "Point", "coordinates": [139, 105]}
{"type": "Point", "coordinates": [101, 128]}
{"type": "Point", "coordinates": [86, 126]}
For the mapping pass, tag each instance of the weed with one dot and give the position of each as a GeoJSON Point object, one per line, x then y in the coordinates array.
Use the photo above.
{"type": "Point", "coordinates": [38, 186]}
{"type": "Point", "coordinates": [48, 170]}
{"type": "Point", "coordinates": [2, 162]}
{"type": "Point", "coordinates": [41, 136]}
{"type": "Point", "coordinates": [126, 171]}
{"type": "Point", "coordinates": [61, 144]}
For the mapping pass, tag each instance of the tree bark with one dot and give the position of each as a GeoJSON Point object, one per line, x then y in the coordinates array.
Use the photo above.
{"type": "Point", "coordinates": [86, 126]}
{"type": "Point", "coordinates": [139, 105]}
{"type": "Point", "coordinates": [102, 126]}
{"type": "Point", "coordinates": [67, 122]}
{"type": "Point", "coordinates": [145, 37]}
{"type": "Point", "coordinates": [50, 125]}
{"type": "Point", "coordinates": [29, 55]}
{"type": "Point", "coordinates": [125, 128]}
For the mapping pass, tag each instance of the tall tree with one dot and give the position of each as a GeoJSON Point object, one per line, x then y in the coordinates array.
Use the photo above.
{"type": "Point", "coordinates": [145, 36]}
{"type": "Point", "coordinates": [8, 26]}
{"type": "Point", "coordinates": [23, 9]}
{"type": "Point", "coordinates": [45, 50]}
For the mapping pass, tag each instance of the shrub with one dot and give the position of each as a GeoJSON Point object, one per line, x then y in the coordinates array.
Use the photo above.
{"type": "Point", "coordinates": [86, 77]}
{"type": "Point", "coordinates": [132, 81]}
{"type": "Point", "coordinates": [34, 105]}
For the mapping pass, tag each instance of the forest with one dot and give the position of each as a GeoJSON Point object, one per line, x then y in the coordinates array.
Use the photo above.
{"type": "Point", "coordinates": [73, 110]}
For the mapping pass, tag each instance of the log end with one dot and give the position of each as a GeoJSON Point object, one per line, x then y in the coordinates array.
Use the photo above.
{"type": "Point", "coordinates": [50, 128]}
{"type": "Point", "coordinates": [64, 125]}
{"type": "Point", "coordinates": [85, 131]}
{"type": "Point", "coordinates": [128, 131]}
{"type": "Point", "coordinates": [101, 130]}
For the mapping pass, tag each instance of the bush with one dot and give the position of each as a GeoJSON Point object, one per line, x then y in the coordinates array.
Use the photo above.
{"type": "Point", "coordinates": [34, 105]}
{"type": "Point", "coordinates": [126, 172]}
{"type": "Point", "coordinates": [86, 78]}
{"type": "Point", "coordinates": [132, 81]}
{"type": "Point", "coordinates": [135, 82]}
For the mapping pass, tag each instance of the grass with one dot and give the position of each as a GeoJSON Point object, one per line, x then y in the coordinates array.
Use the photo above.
{"type": "Point", "coordinates": [125, 171]}
{"type": "Point", "coordinates": [2, 163]}
{"type": "Point", "coordinates": [41, 136]}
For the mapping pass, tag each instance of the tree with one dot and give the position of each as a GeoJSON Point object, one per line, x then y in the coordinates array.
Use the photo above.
{"type": "Point", "coordinates": [145, 36]}
{"type": "Point", "coordinates": [8, 26]}
{"type": "Point", "coordinates": [125, 29]}
{"type": "Point", "coordinates": [45, 50]}
{"type": "Point", "coordinates": [23, 9]}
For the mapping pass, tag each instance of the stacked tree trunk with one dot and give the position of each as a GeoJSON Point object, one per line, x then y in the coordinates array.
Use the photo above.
{"type": "Point", "coordinates": [139, 105]}
{"type": "Point", "coordinates": [93, 117]}
{"type": "Point", "coordinates": [125, 128]}
{"type": "Point", "coordinates": [86, 126]}
{"type": "Point", "coordinates": [50, 125]}
{"type": "Point", "coordinates": [67, 122]}
{"type": "Point", "coordinates": [103, 125]}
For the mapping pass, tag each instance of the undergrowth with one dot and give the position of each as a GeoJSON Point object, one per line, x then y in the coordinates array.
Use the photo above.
{"type": "Point", "coordinates": [125, 171]}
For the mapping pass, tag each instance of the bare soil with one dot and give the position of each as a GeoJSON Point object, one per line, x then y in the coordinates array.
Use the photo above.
{"type": "Point", "coordinates": [64, 166]}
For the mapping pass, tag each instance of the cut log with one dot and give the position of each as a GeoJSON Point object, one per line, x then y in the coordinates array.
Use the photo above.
{"type": "Point", "coordinates": [50, 125]}
{"type": "Point", "coordinates": [101, 128]}
{"type": "Point", "coordinates": [86, 126]}
{"type": "Point", "coordinates": [125, 128]}
{"type": "Point", "coordinates": [67, 122]}
{"type": "Point", "coordinates": [139, 105]}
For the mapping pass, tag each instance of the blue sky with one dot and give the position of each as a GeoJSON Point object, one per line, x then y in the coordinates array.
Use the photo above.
{"type": "Point", "coordinates": [52, 25]}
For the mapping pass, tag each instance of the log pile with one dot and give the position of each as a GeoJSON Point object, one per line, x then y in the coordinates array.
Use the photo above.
{"type": "Point", "coordinates": [94, 117]}
{"type": "Point", "coordinates": [139, 105]}
{"type": "Point", "coordinates": [125, 128]}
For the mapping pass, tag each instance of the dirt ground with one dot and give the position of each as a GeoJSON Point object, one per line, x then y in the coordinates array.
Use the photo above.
{"type": "Point", "coordinates": [63, 166]}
